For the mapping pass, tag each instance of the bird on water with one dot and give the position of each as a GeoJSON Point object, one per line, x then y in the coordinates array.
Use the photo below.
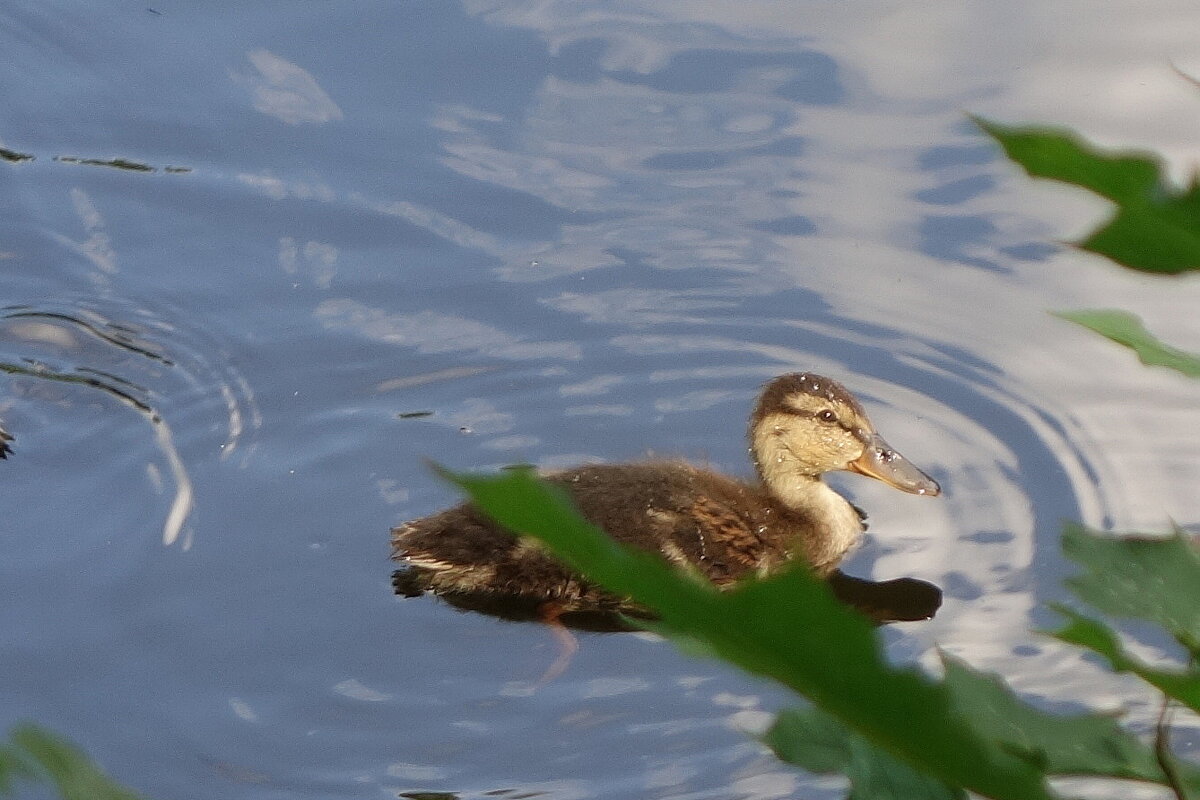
{"type": "Point", "coordinates": [802, 427]}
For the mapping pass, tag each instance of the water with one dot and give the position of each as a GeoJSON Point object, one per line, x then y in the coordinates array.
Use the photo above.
{"type": "Point", "coordinates": [482, 233]}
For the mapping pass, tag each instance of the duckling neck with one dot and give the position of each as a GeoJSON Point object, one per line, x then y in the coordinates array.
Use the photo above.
{"type": "Point", "coordinates": [832, 526]}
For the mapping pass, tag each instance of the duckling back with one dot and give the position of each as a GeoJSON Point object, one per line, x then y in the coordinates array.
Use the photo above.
{"type": "Point", "coordinates": [701, 521]}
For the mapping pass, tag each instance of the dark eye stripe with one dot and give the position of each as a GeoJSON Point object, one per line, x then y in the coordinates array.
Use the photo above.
{"type": "Point", "coordinates": [846, 426]}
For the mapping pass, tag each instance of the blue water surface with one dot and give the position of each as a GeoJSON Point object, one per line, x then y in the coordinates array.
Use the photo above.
{"type": "Point", "coordinates": [260, 262]}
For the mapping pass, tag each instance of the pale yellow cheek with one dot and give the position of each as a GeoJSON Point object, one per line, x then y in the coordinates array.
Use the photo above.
{"type": "Point", "coordinates": [840, 450]}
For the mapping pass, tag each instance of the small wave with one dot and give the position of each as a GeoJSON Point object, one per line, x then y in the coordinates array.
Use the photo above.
{"type": "Point", "coordinates": [136, 365]}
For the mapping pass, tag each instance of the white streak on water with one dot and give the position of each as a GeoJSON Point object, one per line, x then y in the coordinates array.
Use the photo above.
{"type": "Point", "coordinates": [286, 91]}
{"type": "Point", "coordinates": [181, 506]}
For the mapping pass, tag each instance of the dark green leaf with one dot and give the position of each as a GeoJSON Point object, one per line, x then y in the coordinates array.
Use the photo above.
{"type": "Point", "coordinates": [72, 772]}
{"type": "Point", "coordinates": [1159, 237]}
{"type": "Point", "coordinates": [1062, 156]}
{"type": "Point", "coordinates": [811, 740]}
{"type": "Point", "coordinates": [1080, 744]}
{"type": "Point", "coordinates": [1156, 228]}
{"type": "Point", "coordinates": [12, 766]}
{"type": "Point", "coordinates": [816, 742]}
{"type": "Point", "coordinates": [1099, 638]}
{"type": "Point", "coordinates": [1127, 329]}
{"type": "Point", "coordinates": [789, 628]}
{"type": "Point", "coordinates": [1155, 579]}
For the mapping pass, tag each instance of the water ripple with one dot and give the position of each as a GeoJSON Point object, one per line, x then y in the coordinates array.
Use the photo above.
{"type": "Point", "coordinates": [144, 366]}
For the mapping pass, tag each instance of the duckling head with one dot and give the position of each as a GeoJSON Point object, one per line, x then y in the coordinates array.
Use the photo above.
{"type": "Point", "coordinates": [806, 425]}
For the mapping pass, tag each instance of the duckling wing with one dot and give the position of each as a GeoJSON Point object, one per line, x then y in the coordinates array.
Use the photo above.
{"type": "Point", "coordinates": [696, 519]}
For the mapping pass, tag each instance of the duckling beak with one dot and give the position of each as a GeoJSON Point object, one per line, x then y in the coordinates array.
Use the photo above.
{"type": "Point", "coordinates": [881, 462]}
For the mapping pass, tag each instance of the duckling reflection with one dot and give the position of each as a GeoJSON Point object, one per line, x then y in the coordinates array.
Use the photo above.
{"type": "Point", "coordinates": [802, 427]}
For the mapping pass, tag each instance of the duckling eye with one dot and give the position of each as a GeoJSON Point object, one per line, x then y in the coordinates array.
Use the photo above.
{"type": "Point", "coordinates": [827, 416]}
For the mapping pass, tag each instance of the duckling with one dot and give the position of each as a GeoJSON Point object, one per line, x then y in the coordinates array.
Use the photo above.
{"type": "Point", "coordinates": [5, 438]}
{"type": "Point", "coordinates": [803, 426]}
